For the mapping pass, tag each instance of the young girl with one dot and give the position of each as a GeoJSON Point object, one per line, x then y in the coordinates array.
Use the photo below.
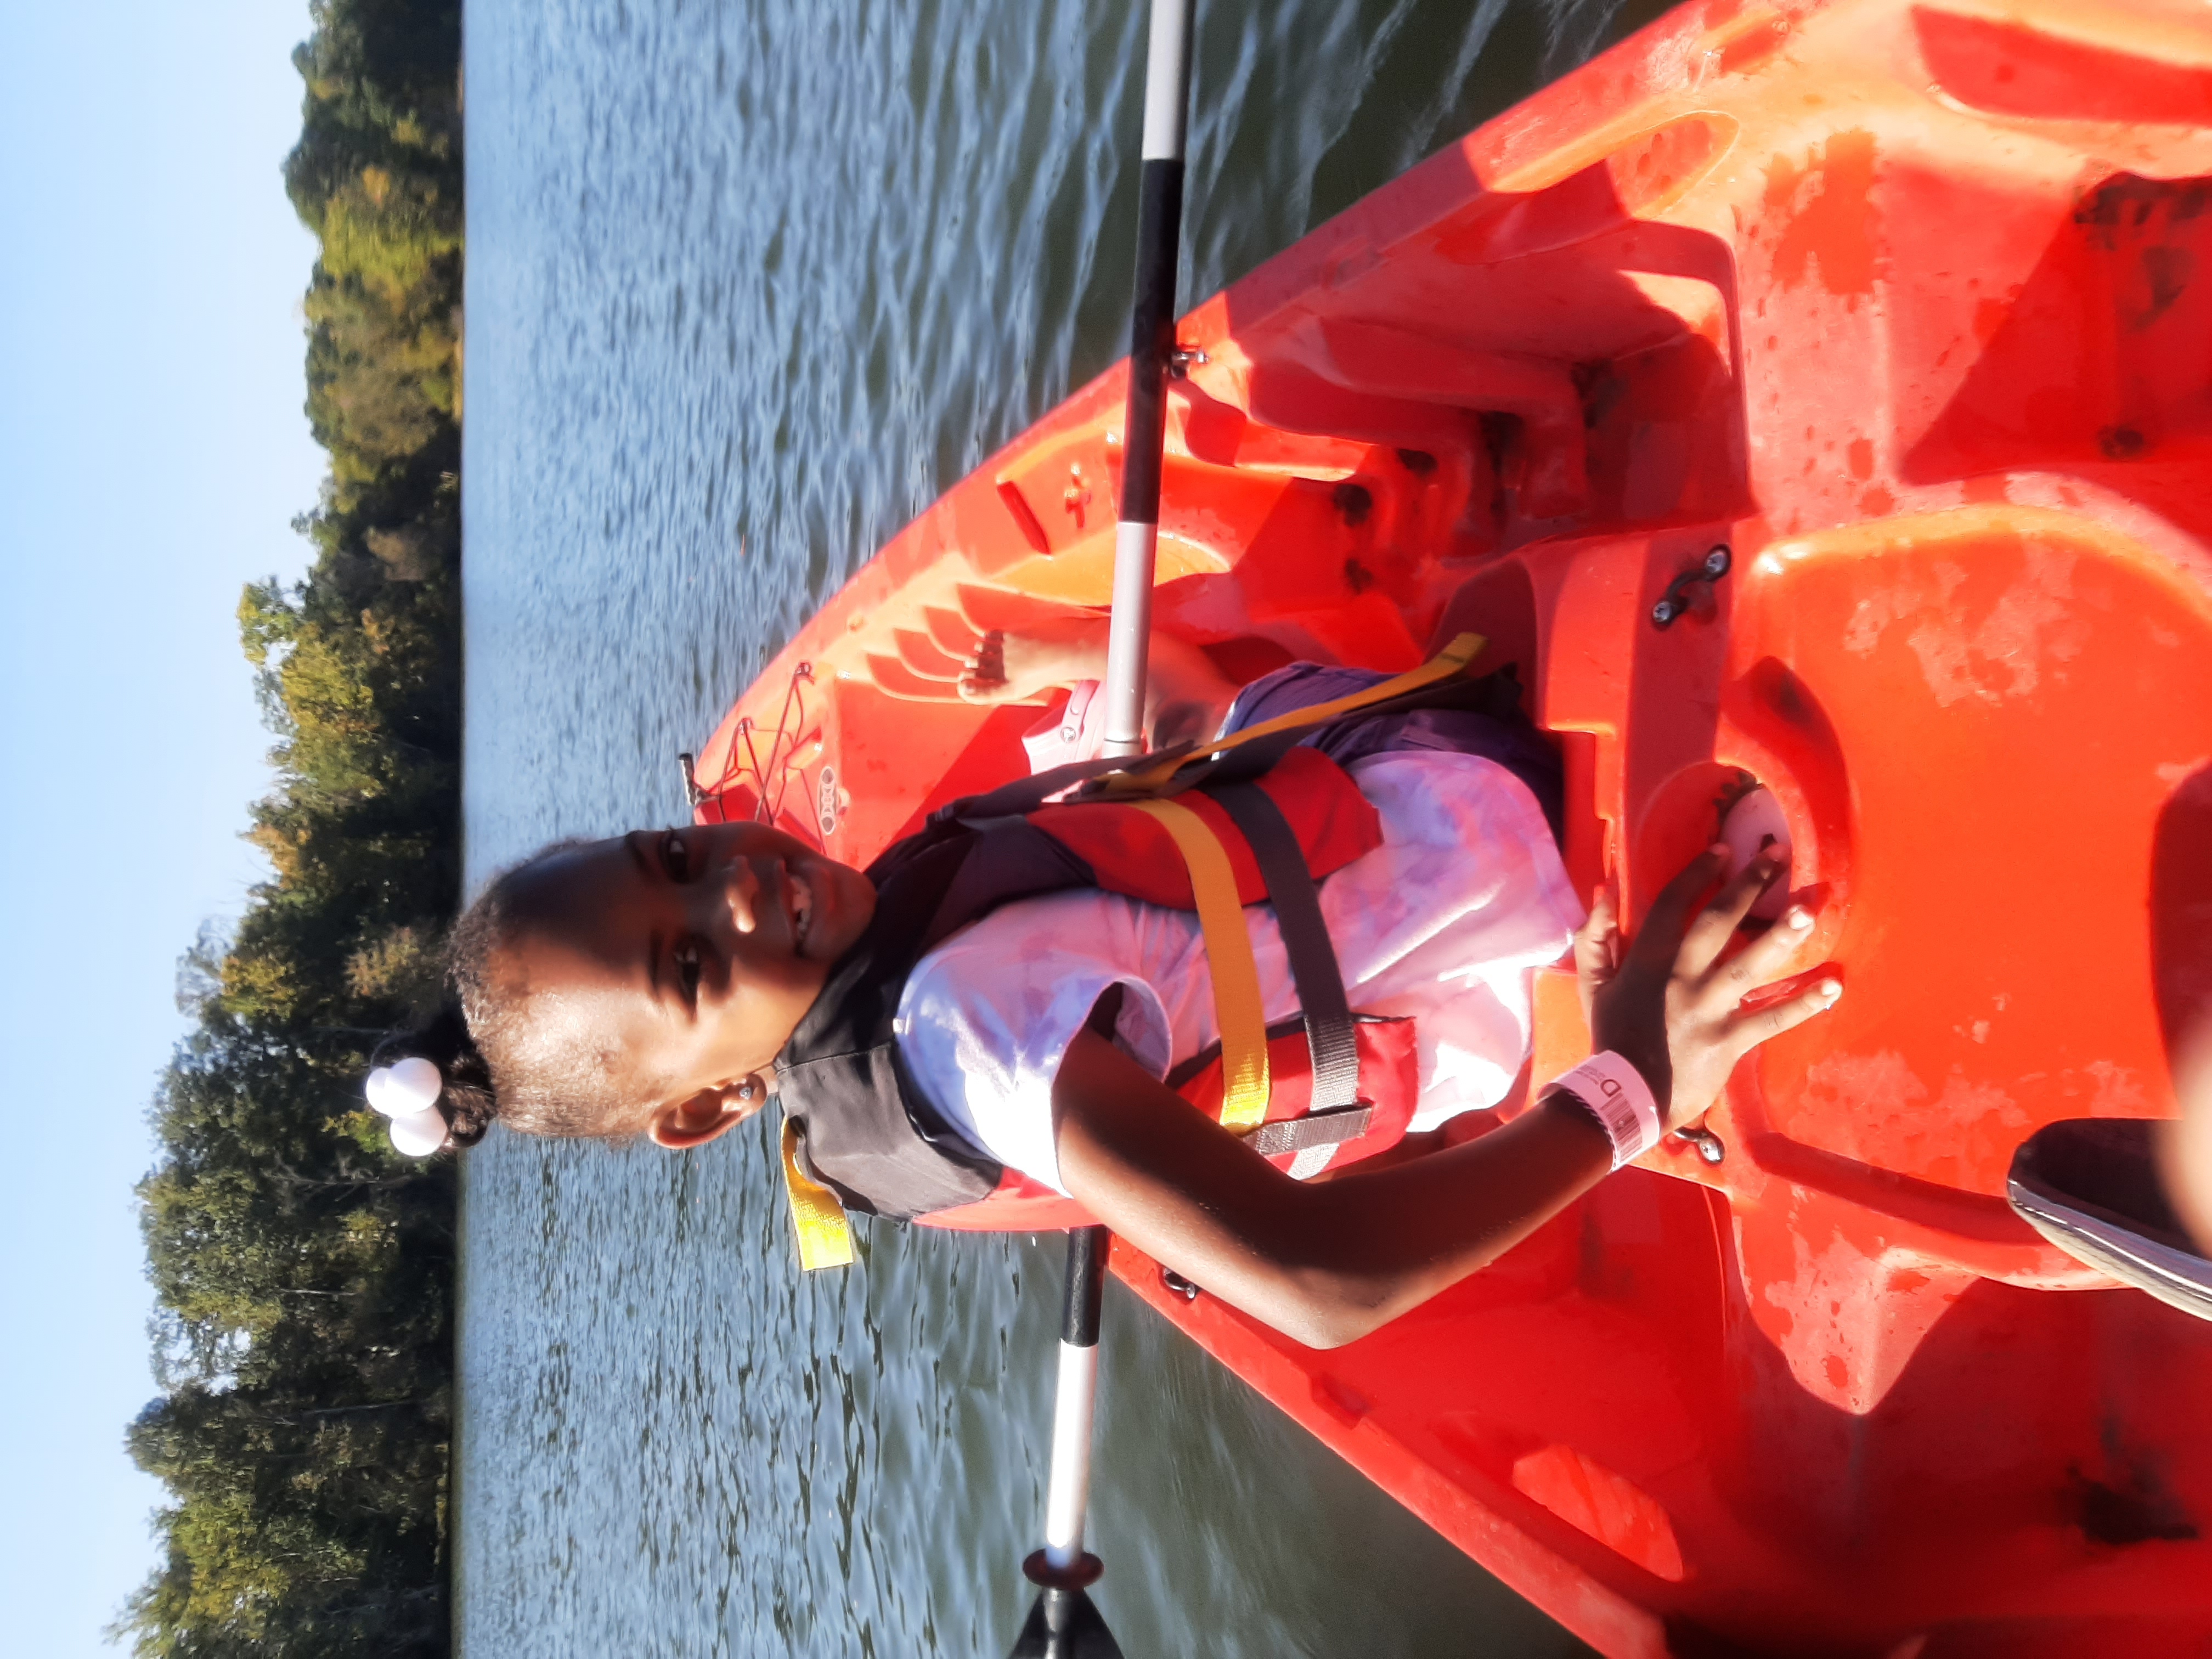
{"type": "Point", "coordinates": [654, 984]}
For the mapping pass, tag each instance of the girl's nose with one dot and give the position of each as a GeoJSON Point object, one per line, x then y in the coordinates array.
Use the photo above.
{"type": "Point", "coordinates": [734, 904]}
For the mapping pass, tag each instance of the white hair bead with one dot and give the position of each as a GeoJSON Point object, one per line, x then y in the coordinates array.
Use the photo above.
{"type": "Point", "coordinates": [406, 1087]}
{"type": "Point", "coordinates": [418, 1134]}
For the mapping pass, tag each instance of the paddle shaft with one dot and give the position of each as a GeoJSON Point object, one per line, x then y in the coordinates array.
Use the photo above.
{"type": "Point", "coordinates": [1063, 1621]}
{"type": "Point", "coordinates": [1151, 338]}
{"type": "Point", "coordinates": [1151, 345]}
{"type": "Point", "coordinates": [1144, 429]}
{"type": "Point", "coordinates": [1069, 1489]}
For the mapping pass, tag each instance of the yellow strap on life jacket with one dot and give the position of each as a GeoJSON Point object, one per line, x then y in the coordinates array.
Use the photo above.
{"type": "Point", "coordinates": [1237, 1006]}
{"type": "Point", "coordinates": [825, 1239]}
{"type": "Point", "coordinates": [1463, 650]}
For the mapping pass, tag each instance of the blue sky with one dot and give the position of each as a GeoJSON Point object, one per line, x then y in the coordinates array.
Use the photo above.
{"type": "Point", "coordinates": [152, 455]}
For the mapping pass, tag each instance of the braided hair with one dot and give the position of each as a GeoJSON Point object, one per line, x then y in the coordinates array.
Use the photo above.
{"type": "Point", "coordinates": [481, 1038]}
{"type": "Point", "coordinates": [468, 1102]}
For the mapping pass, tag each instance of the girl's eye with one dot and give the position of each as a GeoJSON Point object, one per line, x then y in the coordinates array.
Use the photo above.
{"type": "Point", "coordinates": [687, 969]}
{"type": "Point", "coordinates": [676, 854]}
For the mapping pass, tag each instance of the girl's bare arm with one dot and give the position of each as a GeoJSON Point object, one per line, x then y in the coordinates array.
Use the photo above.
{"type": "Point", "coordinates": [1322, 1263]}
{"type": "Point", "coordinates": [1327, 1262]}
{"type": "Point", "coordinates": [1185, 694]}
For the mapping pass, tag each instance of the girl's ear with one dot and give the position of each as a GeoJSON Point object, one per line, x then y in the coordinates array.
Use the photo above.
{"type": "Point", "coordinates": [707, 1114]}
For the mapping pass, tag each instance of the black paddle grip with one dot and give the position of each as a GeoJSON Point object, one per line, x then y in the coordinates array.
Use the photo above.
{"type": "Point", "coordinates": [1086, 1283]}
{"type": "Point", "coordinates": [1151, 338]}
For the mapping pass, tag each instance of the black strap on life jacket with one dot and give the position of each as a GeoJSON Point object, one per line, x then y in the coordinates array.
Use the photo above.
{"type": "Point", "coordinates": [1314, 968]}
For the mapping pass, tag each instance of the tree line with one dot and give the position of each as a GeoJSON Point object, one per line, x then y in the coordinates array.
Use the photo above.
{"type": "Point", "coordinates": [304, 1273]}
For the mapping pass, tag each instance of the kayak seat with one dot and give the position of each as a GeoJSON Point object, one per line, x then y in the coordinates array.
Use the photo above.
{"type": "Point", "coordinates": [2091, 1187]}
{"type": "Point", "coordinates": [1540, 394]}
{"type": "Point", "coordinates": [2010, 67]}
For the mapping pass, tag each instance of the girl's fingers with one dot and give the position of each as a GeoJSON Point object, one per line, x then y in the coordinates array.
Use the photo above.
{"type": "Point", "coordinates": [1750, 1030]}
{"type": "Point", "coordinates": [1761, 961]}
{"type": "Point", "coordinates": [985, 680]}
{"type": "Point", "coordinates": [1660, 940]}
{"type": "Point", "coordinates": [1597, 941]}
{"type": "Point", "coordinates": [1709, 934]}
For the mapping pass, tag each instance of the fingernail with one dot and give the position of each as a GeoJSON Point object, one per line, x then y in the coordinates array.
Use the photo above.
{"type": "Point", "coordinates": [1719, 849]}
{"type": "Point", "coordinates": [1831, 990]}
{"type": "Point", "coordinates": [1799, 918]}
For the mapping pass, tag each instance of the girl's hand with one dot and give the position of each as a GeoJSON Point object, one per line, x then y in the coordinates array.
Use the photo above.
{"type": "Point", "coordinates": [1008, 667]}
{"type": "Point", "coordinates": [983, 676]}
{"type": "Point", "coordinates": [1670, 1005]}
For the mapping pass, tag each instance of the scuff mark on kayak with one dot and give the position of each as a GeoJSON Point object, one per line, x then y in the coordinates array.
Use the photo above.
{"type": "Point", "coordinates": [1875, 1109]}
{"type": "Point", "coordinates": [1834, 228]}
{"type": "Point", "coordinates": [2030, 629]}
{"type": "Point", "coordinates": [2119, 1091]}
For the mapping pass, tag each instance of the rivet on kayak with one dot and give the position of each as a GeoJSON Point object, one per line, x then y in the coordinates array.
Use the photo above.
{"type": "Point", "coordinates": [1183, 359]}
{"type": "Point", "coordinates": [1710, 1146]}
{"type": "Point", "coordinates": [1176, 1283]}
{"type": "Point", "coordinates": [1674, 603]}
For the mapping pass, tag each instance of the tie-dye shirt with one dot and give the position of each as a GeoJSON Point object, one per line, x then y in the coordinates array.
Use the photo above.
{"type": "Point", "coordinates": [1444, 922]}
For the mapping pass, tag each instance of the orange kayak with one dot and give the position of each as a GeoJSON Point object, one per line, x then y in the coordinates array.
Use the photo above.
{"type": "Point", "coordinates": [1899, 304]}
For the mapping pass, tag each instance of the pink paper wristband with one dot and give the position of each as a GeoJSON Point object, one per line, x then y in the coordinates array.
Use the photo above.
{"type": "Point", "coordinates": [1619, 1097]}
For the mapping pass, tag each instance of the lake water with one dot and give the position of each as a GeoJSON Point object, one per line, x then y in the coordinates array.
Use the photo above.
{"type": "Point", "coordinates": [749, 285]}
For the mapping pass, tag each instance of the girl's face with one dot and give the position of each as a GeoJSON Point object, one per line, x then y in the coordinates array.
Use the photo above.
{"type": "Point", "coordinates": [685, 958]}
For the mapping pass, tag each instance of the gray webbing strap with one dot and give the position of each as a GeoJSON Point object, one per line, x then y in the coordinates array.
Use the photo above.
{"type": "Point", "coordinates": [1295, 1134]}
{"type": "Point", "coordinates": [1329, 1033]}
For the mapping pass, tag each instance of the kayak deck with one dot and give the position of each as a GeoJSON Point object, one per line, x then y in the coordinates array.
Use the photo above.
{"type": "Point", "coordinates": [1900, 305]}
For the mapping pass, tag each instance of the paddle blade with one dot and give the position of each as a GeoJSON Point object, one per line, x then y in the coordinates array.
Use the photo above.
{"type": "Point", "coordinates": [1063, 1625]}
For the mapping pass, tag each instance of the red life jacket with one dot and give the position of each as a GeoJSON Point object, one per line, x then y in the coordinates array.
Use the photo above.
{"type": "Point", "coordinates": [1129, 852]}
{"type": "Point", "coordinates": [1188, 829]}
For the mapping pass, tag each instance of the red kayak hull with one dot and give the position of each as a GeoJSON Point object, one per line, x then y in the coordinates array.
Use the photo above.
{"type": "Point", "coordinates": [1905, 306]}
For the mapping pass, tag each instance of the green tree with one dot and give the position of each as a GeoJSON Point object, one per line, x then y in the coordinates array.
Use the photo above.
{"type": "Point", "coordinates": [303, 1272]}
